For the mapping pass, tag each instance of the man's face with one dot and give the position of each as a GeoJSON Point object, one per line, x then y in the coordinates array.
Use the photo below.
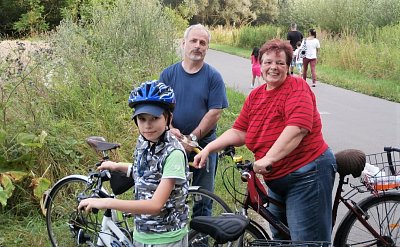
{"type": "Point", "coordinates": [195, 45]}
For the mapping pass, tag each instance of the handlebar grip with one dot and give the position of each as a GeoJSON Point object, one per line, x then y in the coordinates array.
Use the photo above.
{"type": "Point", "coordinates": [245, 176]}
{"type": "Point", "coordinates": [390, 149]}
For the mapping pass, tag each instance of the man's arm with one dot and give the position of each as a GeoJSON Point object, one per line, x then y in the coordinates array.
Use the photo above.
{"type": "Point", "coordinates": [207, 123]}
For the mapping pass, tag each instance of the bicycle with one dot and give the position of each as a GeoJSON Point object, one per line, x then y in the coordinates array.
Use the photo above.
{"type": "Point", "coordinates": [66, 226]}
{"type": "Point", "coordinates": [373, 221]}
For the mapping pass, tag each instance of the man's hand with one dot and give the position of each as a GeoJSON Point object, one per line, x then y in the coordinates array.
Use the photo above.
{"type": "Point", "coordinates": [177, 133]}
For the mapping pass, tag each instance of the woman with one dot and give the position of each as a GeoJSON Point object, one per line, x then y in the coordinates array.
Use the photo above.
{"type": "Point", "coordinates": [255, 67]}
{"type": "Point", "coordinates": [280, 124]}
{"type": "Point", "coordinates": [312, 44]}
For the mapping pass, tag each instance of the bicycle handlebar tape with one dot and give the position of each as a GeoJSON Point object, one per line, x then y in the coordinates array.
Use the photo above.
{"type": "Point", "coordinates": [350, 161]}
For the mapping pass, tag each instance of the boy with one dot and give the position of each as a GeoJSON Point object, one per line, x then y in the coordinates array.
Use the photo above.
{"type": "Point", "coordinates": [160, 172]}
{"type": "Point", "coordinates": [298, 59]}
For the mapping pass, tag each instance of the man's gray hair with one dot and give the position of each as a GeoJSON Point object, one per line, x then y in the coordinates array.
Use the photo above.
{"type": "Point", "coordinates": [197, 26]}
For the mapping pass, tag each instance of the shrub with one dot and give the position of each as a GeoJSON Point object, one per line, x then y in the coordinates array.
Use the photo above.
{"type": "Point", "coordinates": [250, 37]}
{"type": "Point", "coordinates": [77, 86]}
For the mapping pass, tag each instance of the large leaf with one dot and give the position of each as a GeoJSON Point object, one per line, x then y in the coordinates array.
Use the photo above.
{"type": "Point", "coordinates": [16, 176]}
{"type": "Point", "coordinates": [39, 186]}
{"type": "Point", "coordinates": [6, 189]}
{"type": "Point", "coordinates": [28, 140]}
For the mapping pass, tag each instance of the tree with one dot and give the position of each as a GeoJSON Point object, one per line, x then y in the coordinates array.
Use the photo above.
{"type": "Point", "coordinates": [33, 21]}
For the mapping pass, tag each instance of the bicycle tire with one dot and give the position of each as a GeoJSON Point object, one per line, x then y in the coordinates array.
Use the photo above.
{"type": "Point", "coordinates": [384, 217]}
{"type": "Point", "coordinates": [62, 215]}
{"type": "Point", "coordinates": [198, 196]}
{"type": "Point", "coordinates": [198, 239]}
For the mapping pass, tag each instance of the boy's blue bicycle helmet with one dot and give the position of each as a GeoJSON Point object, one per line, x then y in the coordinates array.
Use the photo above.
{"type": "Point", "coordinates": [153, 92]}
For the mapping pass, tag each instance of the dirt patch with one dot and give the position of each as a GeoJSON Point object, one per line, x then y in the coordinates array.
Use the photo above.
{"type": "Point", "coordinates": [16, 47]}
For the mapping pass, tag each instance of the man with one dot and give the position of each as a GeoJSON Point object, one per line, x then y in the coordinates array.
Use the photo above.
{"type": "Point", "coordinates": [294, 36]}
{"type": "Point", "coordinates": [200, 99]}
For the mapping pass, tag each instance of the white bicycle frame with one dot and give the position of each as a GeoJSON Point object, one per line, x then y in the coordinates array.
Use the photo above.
{"type": "Point", "coordinates": [110, 234]}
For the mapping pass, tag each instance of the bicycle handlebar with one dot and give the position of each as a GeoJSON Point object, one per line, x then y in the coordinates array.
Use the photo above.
{"type": "Point", "coordinates": [391, 149]}
{"type": "Point", "coordinates": [246, 167]}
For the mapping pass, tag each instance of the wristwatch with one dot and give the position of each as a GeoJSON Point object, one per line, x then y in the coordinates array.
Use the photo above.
{"type": "Point", "coordinates": [193, 137]}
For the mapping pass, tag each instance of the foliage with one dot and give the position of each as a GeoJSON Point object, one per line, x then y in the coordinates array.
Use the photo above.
{"type": "Point", "coordinates": [75, 86]}
{"type": "Point", "coordinates": [337, 16]}
{"type": "Point", "coordinates": [250, 37]}
{"type": "Point", "coordinates": [234, 13]}
{"type": "Point", "coordinates": [33, 21]}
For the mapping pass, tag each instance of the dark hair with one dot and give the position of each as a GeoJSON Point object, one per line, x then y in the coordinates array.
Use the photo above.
{"type": "Point", "coordinates": [313, 32]}
{"type": "Point", "coordinates": [278, 45]}
{"type": "Point", "coordinates": [255, 52]}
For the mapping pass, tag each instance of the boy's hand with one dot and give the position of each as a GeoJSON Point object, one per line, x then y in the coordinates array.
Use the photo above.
{"type": "Point", "coordinates": [91, 203]}
{"type": "Point", "coordinates": [107, 165]}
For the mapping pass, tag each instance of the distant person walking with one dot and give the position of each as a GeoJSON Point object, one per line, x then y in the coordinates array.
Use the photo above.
{"type": "Point", "coordinates": [298, 60]}
{"type": "Point", "coordinates": [294, 36]}
{"type": "Point", "coordinates": [312, 48]}
{"type": "Point", "coordinates": [255, 66]}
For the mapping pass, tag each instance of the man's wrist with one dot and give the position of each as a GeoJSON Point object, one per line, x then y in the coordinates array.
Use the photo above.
{"type": "Point", "coordinates": [193, 137]}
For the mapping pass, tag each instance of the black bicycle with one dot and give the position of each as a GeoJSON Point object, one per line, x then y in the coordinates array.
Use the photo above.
{"type": "Point", "coordinates": [373, 221]}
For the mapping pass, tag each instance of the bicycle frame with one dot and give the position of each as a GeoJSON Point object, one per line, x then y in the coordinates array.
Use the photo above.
{"type": "Point", "coordinates": [108, 228]}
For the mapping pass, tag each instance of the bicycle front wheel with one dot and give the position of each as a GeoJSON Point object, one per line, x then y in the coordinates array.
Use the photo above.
{"type": "Point", "coordinates": [382, 214]}
{"type": "Point", "coordinates": [65, 225]}
{"type": "Point", "coordinates": [198, 239]}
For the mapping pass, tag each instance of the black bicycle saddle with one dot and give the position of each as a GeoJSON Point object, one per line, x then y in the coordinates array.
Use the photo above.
{"type": "Point", "coordinates": [223, 228]}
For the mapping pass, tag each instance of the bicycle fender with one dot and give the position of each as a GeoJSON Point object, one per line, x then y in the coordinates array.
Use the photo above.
{"type": "Point", "coordinates": [49, 193]}
{"type": "Point", "coordinates": [84, 178]}
{"type": "Point", "coordinates": [194, 187]}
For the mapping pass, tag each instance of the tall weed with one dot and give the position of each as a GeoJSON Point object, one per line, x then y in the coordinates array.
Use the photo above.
{"type": "Point", "coordinates": [250, 37]}
{"type": "Point", "coordinates": [370, 54]}
{"type": "Point", "coordinates": [80, 86]}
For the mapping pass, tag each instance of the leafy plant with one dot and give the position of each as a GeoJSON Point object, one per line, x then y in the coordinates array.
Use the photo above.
{"type": "Point", "coordinates": [16, 160]}
{"type": "Point", "coordinates": [32, 22]}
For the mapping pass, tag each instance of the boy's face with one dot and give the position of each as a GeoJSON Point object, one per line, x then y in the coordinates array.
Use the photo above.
{"type": "Point", "coordinates": [151, 127]}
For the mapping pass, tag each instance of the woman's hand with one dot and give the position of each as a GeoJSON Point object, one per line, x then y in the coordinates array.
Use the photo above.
{"type": "Point", "coordinates": [262, 166]}
{"type": "Point", "coordinates": [90, 203]}
{"type": "Point", "coordinates": [200, 160]}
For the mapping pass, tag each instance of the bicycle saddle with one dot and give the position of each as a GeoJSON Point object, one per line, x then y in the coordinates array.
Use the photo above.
{"type": "Point", "coordinates": [100, 144]}
{"type": "Point", "coordinates": [350, 161]}
{"type": "Point", "coordinates": [223, 228]}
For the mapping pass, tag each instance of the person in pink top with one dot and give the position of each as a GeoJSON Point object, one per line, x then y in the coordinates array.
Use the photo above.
{"type": "Point", "coordinates": [280, 123]}
{"type": "Point", "coordinates": [255, 66]}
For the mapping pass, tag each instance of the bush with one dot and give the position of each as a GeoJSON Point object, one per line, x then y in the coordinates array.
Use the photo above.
{"type": "Point", "coordinates": [250, 37]}
{"type": "Point", "coordinates": [77, 86]}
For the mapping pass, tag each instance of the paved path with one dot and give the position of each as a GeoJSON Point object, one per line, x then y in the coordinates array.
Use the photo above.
{"type": "Point", "coordinates": [350, 119]}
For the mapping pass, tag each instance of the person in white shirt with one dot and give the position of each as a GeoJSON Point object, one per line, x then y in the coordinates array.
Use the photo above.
{"type": "Point", "coordinates": [313, 46]}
